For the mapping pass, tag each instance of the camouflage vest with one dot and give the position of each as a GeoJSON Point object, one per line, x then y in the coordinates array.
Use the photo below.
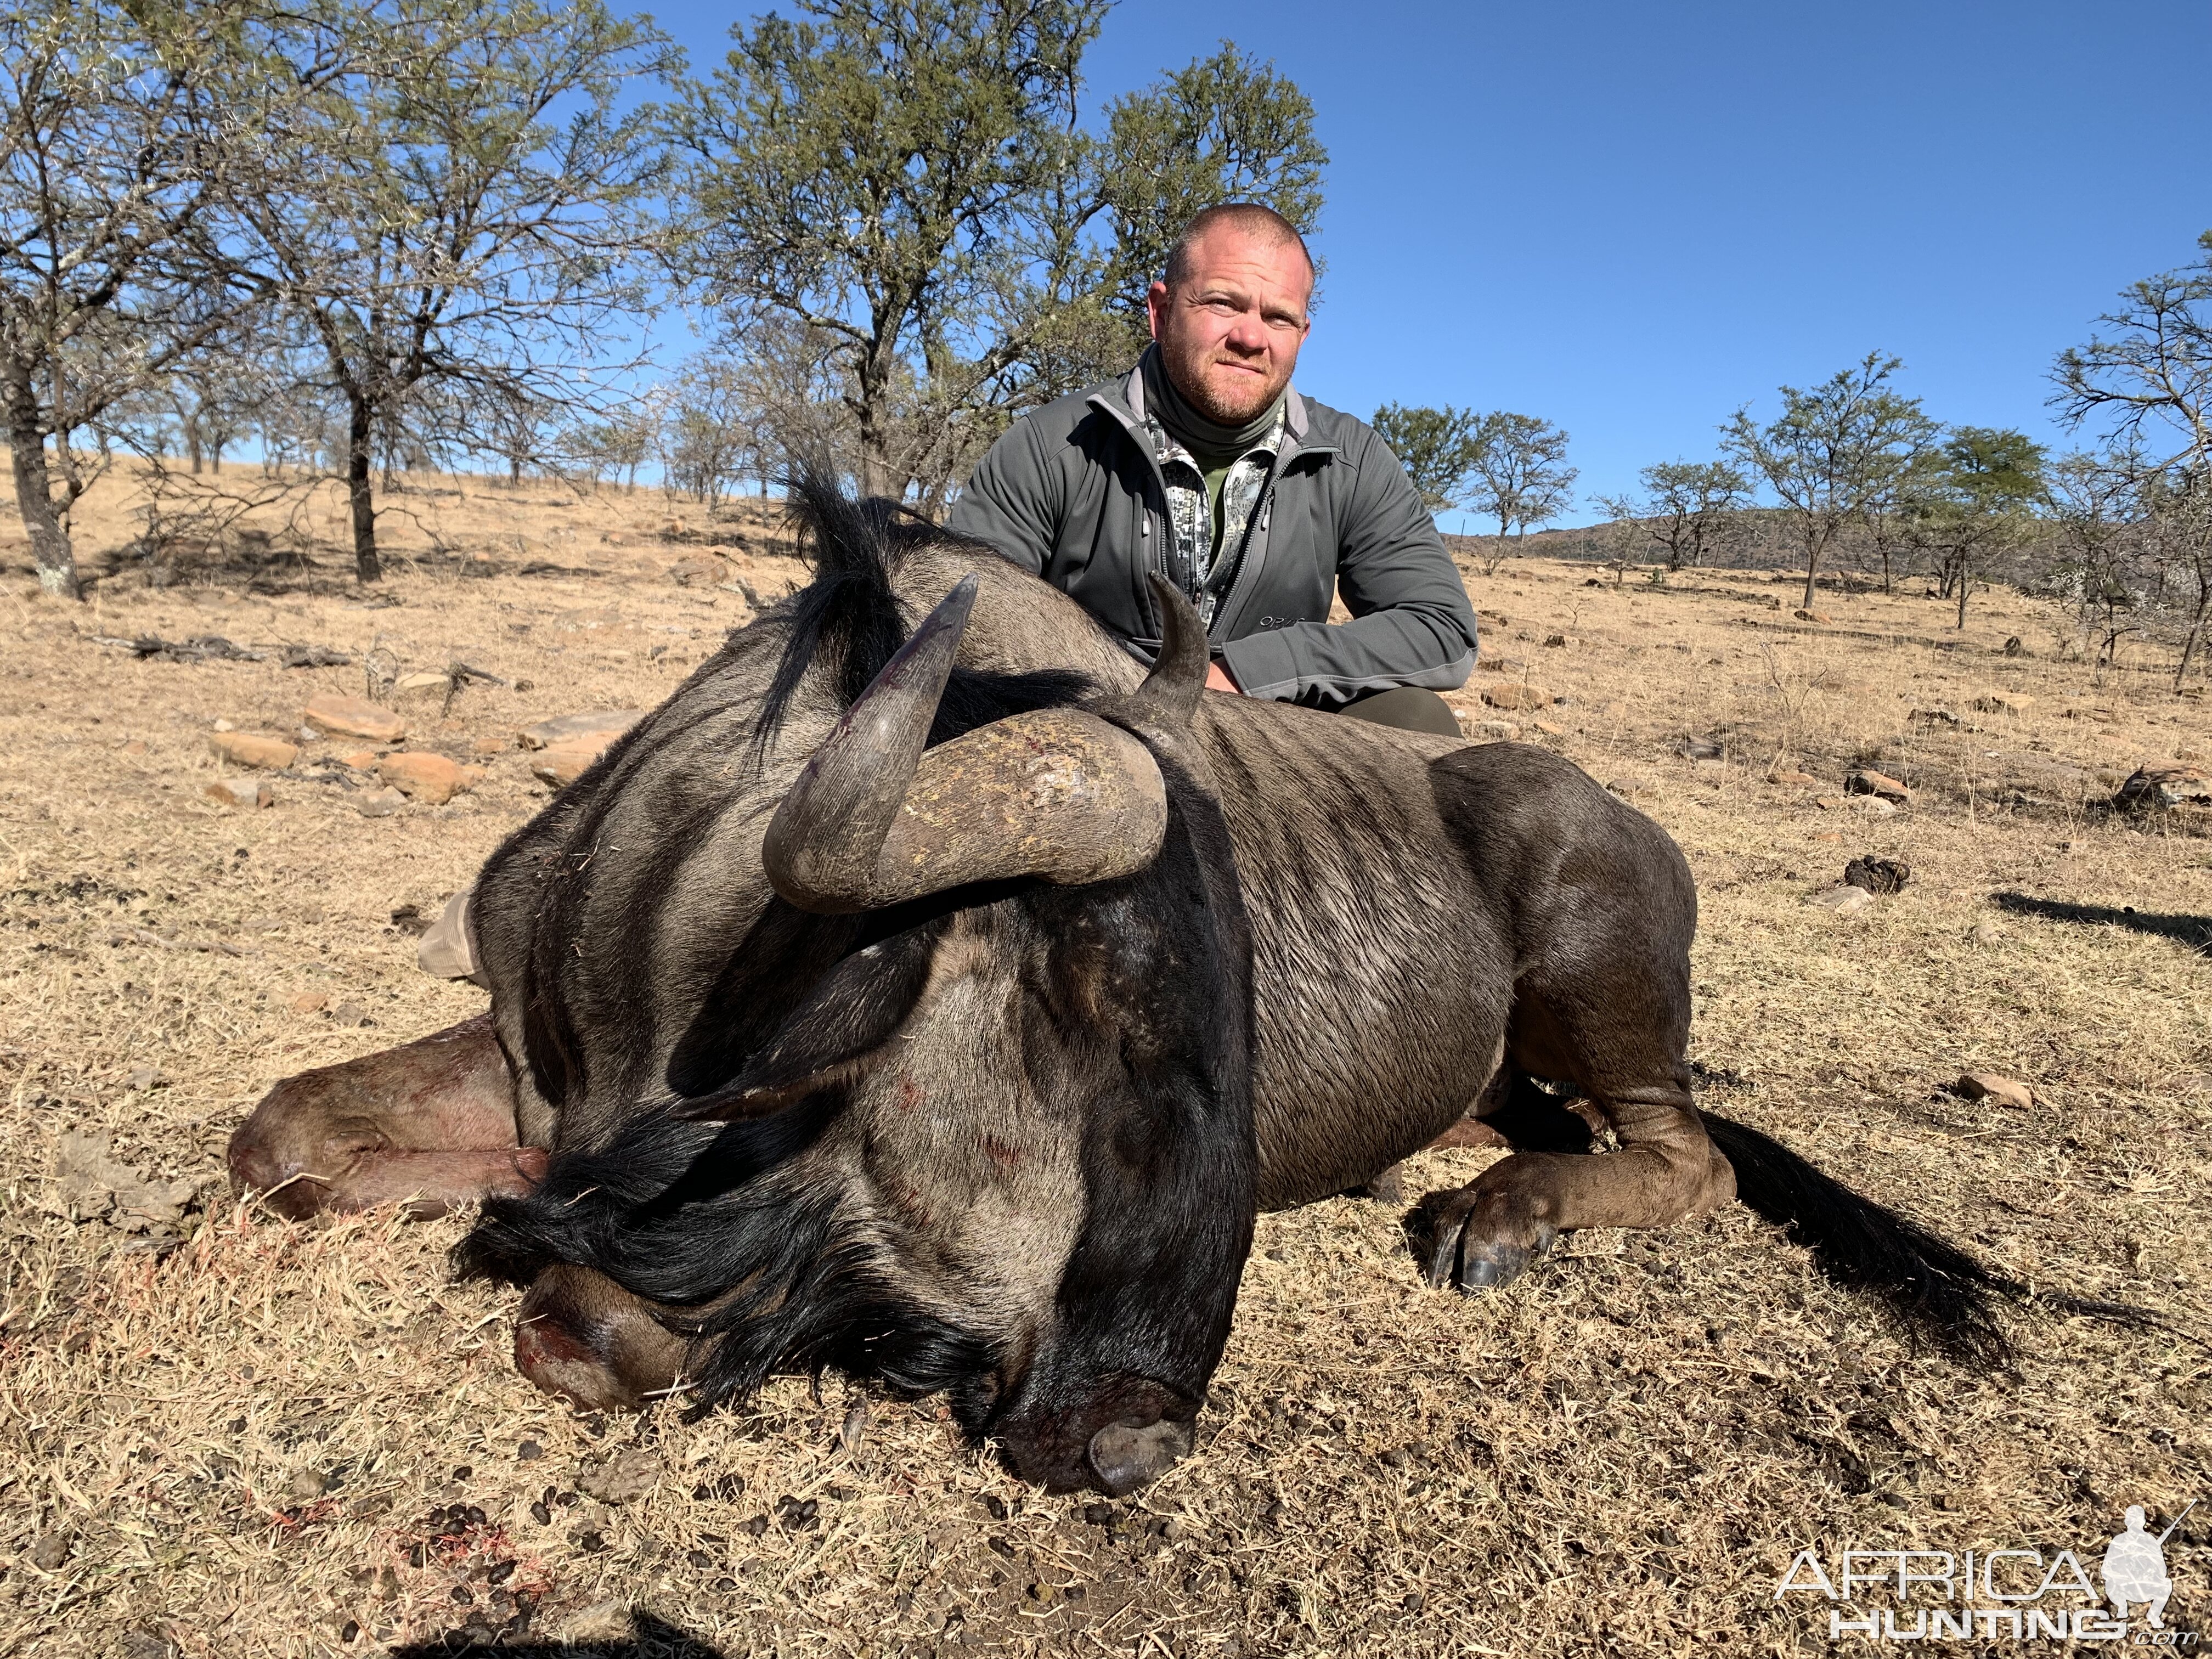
{"type": "Point", "coordinates": [1196, 551]}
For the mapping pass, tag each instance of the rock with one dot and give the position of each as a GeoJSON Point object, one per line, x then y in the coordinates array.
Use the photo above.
{"type": "Point", "coordinates": [1795, 779]}
{"type": "Point", "coordinates": [351, 717]}
{"type": "Point", "coordinates": [1989, 1085]}
{"type": "Point", "coordinates": [1827, 803]}
{"type": "Point", "coordinates": [603, 1621]}
{"type": "Point", "coordinates": [1516, 695]}
{"type": "Point", "coordinates": [349, 1014]}
{"type": "Point", "coordinates": [2003, 703]}
{"type": "Point", "coordinates": [379, 803]}
{"type": "Point", "coordinates": [603, 726]}
{"type": "Point", "coordinates": [1873, 806]}
{"type": "Point", "coordinates": [1877, 875]}
{"type": "Point", "coordinates": [1496, 731]}
{"type": "Point", "coordinates": [1555, 641]}
{"type": "Point", "coordinates": [488, 747]}
{"type": "Point", "coordinates": [1832, 837]}
{"type": "Point", "coordinates": [240, 791]}
{"type": "Point", "coordinates": [308, 1484]}
{"type": "Point", "coordinates": [358, 760]}
{"type": "Point", "coordinates": [431, 779]}
{"type": "Point", "coordinates": [628, 1473]}
{"type": "Point", "coordinates": [251, 749]}
{"type": "Point", "coordinates": [1934, 717]}
{"type": "Point", "coordinates": [1845, 901]}
{"type": "Point", "coordinates": [224, 725]}
{"type": "Point", "coordinates": [1550, 730]}
{"type": "Point", "coordinates": [423, 680]}
{"type": "Point", "coordinates": [1868, 781]}
{"type": "Point", "coordinates": [2161, 788]}
{"type": "Point", "coordinates": [311, 1002]}
{"type": "Point", "coordinates": [684, 572]}
{"type": "Point", "coordinates": [1812, 616]}
{"type": "Point", "coordinates": [50, 1551]}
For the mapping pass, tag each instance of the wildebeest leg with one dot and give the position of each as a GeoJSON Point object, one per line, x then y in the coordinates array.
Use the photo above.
{"type": "Point", "coordinates": [1616, 1027]}
{"type": "Point", "coordinates": [430, 1121]}
{"type": "Point", "coordinates": [581, 1336]}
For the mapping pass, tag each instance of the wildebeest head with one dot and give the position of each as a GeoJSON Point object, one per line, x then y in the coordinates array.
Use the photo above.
{"type": "Point", "coordinates": [918, 1046]}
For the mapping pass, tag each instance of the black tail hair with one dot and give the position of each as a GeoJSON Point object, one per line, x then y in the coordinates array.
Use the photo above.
{"type": "Point", "coordinates": [1936, 1290]}
{"type": "Point", "coordinates": [850, 616]}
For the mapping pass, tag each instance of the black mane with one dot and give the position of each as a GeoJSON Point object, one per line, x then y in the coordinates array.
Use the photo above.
{"type": "Point", "coordinates": [849, 616]}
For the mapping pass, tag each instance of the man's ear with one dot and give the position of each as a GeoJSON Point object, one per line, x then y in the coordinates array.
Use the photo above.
{"type": "Point", "coordinates": [1156, 300]}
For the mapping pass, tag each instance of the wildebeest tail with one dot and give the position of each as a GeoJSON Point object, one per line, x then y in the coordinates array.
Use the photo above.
{"type": "Point", "coordinates": [1937, 1291]}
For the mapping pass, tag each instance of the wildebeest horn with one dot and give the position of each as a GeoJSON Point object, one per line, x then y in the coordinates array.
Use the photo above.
{"type": "Point", "coordinates": [873, 820]}
{"type": "Point", "coordinates": [1170, 692]}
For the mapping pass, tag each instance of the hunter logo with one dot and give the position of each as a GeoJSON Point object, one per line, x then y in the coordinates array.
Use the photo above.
{"type": "Point", "coordinates": [2027, 1595]}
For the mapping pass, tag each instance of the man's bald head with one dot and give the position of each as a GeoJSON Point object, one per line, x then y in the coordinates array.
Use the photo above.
{"type": "Point", "coordinates": [1248, 219]}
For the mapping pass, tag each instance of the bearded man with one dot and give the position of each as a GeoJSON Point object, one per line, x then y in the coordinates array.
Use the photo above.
{"type": "Point", "coordinates": [1206, 466]}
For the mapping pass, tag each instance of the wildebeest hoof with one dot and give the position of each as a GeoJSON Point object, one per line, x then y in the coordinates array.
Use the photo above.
{"type": "Point", "coordinates": [1125, 1458]}
{"type": "Point", "coordinates": [1478, 1264]}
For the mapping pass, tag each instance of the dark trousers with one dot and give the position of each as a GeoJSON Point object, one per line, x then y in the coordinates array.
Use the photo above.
{"type": "Point", "coordinates": [1408, 707]}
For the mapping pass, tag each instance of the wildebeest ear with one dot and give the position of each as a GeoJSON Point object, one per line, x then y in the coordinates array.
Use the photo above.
{"type": "Point", "coordinates": [832, 1037]}
{"type": "Point", "coordinates": [1170, 695]}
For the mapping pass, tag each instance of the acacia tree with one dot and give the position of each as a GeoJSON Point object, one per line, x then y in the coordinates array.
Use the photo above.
{"type": "Point", "coordinates": [1833, 451]}
{"type": "Point", "coordinates": [454, 206]}
{"type": "Point", "coordinates": [1520, 476]}
{"type": "Point", "coordinates": [1982, 502]}
{"type": "Point", "coordinates": [908, 181]}
{"type": "Point", "coordinates": [2152, 373]}
{"type": "Point", "coordinates": [112, 155]}
{"type": "Point", "coordinates": [1438, 448]}
{"type": "Point", "coordinates": [1694, 508]}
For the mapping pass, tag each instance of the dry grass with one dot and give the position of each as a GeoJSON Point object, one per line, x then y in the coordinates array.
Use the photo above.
{"type": "Point", "coordinates": [1618, 1454]}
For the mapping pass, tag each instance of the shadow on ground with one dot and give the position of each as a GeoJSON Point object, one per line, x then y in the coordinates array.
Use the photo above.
{"type": "Point", "coordinates": [2195, 932]}
{"type": "Point", "coordinates": [649, 1639]}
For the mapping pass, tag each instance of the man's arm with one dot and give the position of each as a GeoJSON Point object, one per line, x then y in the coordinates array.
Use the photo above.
{"type": "Point", "coordinates": [1412, 621]}
{"type": "Point", "coordinates": [1009, 501]}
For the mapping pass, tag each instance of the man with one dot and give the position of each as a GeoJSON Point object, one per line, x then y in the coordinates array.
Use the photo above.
{"type": "Point", "coordinates": [1205, 466]}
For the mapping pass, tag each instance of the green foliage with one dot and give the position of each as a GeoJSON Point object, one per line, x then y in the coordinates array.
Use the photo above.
{"type": "Point", "coordinates": [1693, 506]}
{"type": "Point", "coordinates": [1521, 474]}
{"type": "Point", "coordinates": [908, 179]}
{"type": "Point", "coordinates": [1438, 448]}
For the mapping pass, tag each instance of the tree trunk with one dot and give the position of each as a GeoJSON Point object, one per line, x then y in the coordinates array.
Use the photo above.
{"type": "Point", "coordinates": [1812, 571]}
{"type": "Point", "coordinates": [2196, 633]}
{"type": "Point", "coordinates": [50, 542]}
{"type": "Point", "coordinates": [1965, 582]}
{"type": "Point", "coordinates": [359, 455]}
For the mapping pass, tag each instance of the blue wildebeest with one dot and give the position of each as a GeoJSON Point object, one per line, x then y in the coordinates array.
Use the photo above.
{"type": "Point", "coordinates": [944, 1005]}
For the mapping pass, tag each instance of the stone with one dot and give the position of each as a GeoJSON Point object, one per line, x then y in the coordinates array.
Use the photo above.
{"type": "Point", "coordinates": [311, 1002]}
{"type": "Point", "coordinates": [95, 1184]}
{"type": "Point", "coordinates": [1990, 1085]}
{"type": "Point", "coordinates": [1702, 749]}
{"type": "Point", "coordinates": [251, 749]}
{"type": "Point", "coordinates": [240, 791]}
{"type": "Point", "coordinates": [1845, 901]}
{"type": "Point", "coordinates": [352, 717]}
{"type": "Point", "coordinates": [431, 779]}
{"type": "Point", "coordinates": [1795, 779]}
{"type": "Point", "coordinates": [1868, 781]}
{"type": "Point", "coordinates": [1813, 615]}
{"type": "Point", "coordinates": [423, 680]}
{"type": "Point", "coordinates": [2003, 703]}
{"type": "Point", "coordinates": [308, 1484]}
{"type": "Point", "coordinates": [1516, 695]}
{"type": "Point", "coordinates": [1877, 875]}
{"type": "Point", "coordinates": [50, 1551]}
{"type": "Point", "coordinates": [358, 760]}
{"type": "Point", "coordinates": [1986, 931]}
{"type": "Point", "coordinates": [1934, 717]}
{"type": "Point", "coordinates": [486, 748]}
{"type": "Point", "coordinates": [2160, 789]}
{"type": "Point", "coordinates": [379, 803]}
{"type": "Point", "coordinates": [1873, 806]}
{"type": "Point", "coordinates": [136, 746]}
{"type": "Point", "coordinates": [1550, 730]}
{"type": "Point", "coordinates": [1496, 731]}
{"type": "Point", "coordinates": [603, 726]}
{"type": "Point", "coordinates": [564, 762]}
{"type": "Point", "coordinates": [1830, 837]}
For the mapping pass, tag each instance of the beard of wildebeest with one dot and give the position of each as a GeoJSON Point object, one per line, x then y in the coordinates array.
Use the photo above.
{"type": "Point", "coordinates": [994, 1140]}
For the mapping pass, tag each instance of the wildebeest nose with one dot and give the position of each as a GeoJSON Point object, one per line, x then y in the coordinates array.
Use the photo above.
{"type": "Point", "coordinates": [1125, 1458]}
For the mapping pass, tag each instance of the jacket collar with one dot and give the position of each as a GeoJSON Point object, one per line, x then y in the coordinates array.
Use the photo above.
{"type": "Point", "coordinates": [1132, 399]}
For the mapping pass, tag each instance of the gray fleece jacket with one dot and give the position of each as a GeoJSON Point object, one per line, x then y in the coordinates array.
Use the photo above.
{"type": "Point", "coordinates": [1073, 493]}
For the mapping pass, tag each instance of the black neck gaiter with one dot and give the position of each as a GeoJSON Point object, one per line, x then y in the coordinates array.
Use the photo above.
{"type": "Point", "coordinates": [1189, 428]}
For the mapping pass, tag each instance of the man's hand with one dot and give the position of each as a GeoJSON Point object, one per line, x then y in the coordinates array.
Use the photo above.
{"type": "Point", "coordinates": [1217, 679]}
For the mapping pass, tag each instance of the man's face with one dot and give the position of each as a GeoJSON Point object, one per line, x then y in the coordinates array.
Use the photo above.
{"type": "Point", "coordinates": [1229, 332]}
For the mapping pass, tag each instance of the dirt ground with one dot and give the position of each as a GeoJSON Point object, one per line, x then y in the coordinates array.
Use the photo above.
{"type": "Point", "coordinates": [223, 1435]}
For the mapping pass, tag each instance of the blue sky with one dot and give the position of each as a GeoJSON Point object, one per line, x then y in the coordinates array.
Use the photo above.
{"type": "Point", "coordinates": [1632, 218]}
